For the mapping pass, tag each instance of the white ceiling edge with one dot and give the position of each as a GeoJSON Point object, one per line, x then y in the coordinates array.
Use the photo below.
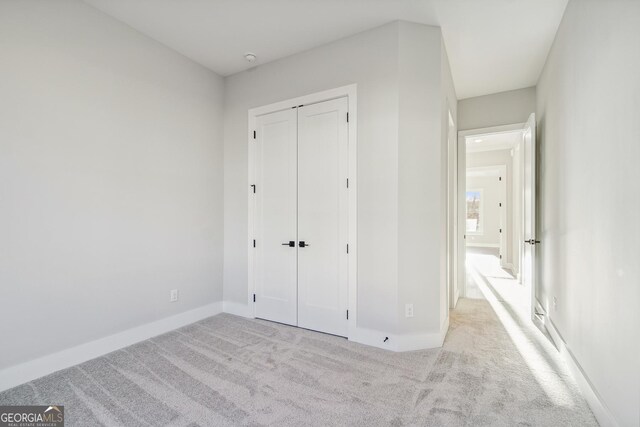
{"type": "Point", "coordinates": [493, 45]}
{"type": "Point", "coordinates": [483, 171]}
{"type": "Point", "coordinates": [493, 142]}
{"type": "Point", "coordinates": [502, 91]}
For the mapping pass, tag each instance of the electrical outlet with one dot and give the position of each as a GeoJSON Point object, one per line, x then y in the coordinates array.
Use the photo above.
{"type": "Point", "coordinates": [555, 304]}
{"type": "Point", "coordinates": [173, 295]}
{"type": "Point", "coordinates": [408, 310]}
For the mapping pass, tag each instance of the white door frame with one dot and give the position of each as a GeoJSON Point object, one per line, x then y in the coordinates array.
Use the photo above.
{"type": "Point", "coordinates": [462, 189]}
{"type": "Point", "coordinates": [349, 91]}
{"type": "Point", "coordinates": [453, 289]}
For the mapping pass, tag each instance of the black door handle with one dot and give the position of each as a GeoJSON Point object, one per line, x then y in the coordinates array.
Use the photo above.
{"type": "Point", "coordinates": [291, 244]}
{"type": "Point", "coordinates": [532, 241]}
{"type": "Point", "coordinates": [302, 244]}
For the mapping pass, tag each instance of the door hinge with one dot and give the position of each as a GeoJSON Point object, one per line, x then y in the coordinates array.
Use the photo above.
{"type": "Point", "coordinates": [347, 314]}
{"type": "Point", "coordinates": [347, 182]}
{"type": "Point", "coordinates": [254, 297]}
{"type": "Point", "coordinates": [500, 179]}
{"type": "Point", "coordinates": [500, 256]}
{"type": "Point", "coordinates": [347, 117]}
{"type": "Point", "coordinates": [500, 204]}
{"type": "Point", "coordinates": [254, 134]}
{"type": "Point", "coordinates": [254, 188]}
{"type": "Point", "coordinates": [501, 230]}
{"type": "Point", "coordinates": [254, 243]}
{"type": "Point", "coordinates": [347, 248]}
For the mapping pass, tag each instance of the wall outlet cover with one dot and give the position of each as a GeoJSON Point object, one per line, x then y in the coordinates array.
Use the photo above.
{"type": "Point", "coordinates": [408, 310]}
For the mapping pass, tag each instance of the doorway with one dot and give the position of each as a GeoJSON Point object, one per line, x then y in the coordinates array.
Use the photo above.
{"type": "Point", "coordinates": [497, 198]}
{"type": "Point", "coordinates": [302, 212]}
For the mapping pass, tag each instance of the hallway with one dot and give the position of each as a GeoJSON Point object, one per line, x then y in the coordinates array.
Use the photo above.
{"type": "Point", "coordinates": [487, 281]}
{"type": "Point", "coordinates": [484, 274]}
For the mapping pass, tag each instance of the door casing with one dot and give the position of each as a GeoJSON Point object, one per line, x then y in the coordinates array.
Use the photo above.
{"type": "Point", "coordinates": [350, 92]}
{"type": "Point", "coordinates": [453, 289]}
{"type": "Point", "coordinates": [462, 165]}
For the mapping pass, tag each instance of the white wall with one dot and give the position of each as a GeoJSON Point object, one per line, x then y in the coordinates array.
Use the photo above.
{"type": "Point", "coordinates": [110, 179]}
{"type": "Point", "coordinates": [498, 109]}
{"type": "Point", "coordinates": [375, 60]}
{"type": "Point", "coordinates": [423, 123]}
{"type": "Point", "coordinates": [588, 108]}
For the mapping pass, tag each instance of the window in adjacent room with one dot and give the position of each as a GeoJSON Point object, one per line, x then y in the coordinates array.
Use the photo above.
{"type": "Point", "coordinates": [474, 212]}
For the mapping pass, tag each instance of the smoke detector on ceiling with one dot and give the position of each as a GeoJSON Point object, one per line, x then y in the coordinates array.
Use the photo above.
{"type": "Point", "coordinates": [250, 57]}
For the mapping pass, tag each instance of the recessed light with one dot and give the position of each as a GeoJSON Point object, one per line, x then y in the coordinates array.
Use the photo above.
{"type": "Point", "coordinates": [250, 57]}
{"type": "Point", "coordinates": [477, 140]}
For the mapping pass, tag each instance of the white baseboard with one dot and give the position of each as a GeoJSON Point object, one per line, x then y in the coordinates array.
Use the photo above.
{"type": "Point", "coordinates": [33, 369]}
{"type": "Point", "coordinates": [373, 338]}
{"type": "Point", "coordinates": [237, 308]}
{"type": "Point", "coordinates": [28, 371]}
{"type": "Point", "coordinates": [483, 245]}
{"type": "Point", "coordinates": [400, 342]}
{"type": "Point", "coordinates": [600, 411]}
{"type": "Point", "coordinates": [422, 341]}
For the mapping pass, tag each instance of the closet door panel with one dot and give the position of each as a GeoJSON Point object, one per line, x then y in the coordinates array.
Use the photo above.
{"type": "Point", "coordinates": [276, 217]}
{"type": "Point", "coordinates": [322, 216]}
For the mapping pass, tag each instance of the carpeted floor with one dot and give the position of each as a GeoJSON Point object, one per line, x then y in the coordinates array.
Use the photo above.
{"type": "Point", "coordinates": [228, 370]}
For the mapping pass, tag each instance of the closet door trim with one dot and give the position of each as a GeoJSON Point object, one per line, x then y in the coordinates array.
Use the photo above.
{"type": "Point", "coordinates": [350, 92]}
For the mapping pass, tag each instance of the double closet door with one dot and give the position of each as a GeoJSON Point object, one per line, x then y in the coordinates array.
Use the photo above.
{"type": "Point", "coordinates": [301, 216]}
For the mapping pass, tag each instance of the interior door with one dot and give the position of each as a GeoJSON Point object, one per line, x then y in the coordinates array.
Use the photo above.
{"type": "Point", "coordinates": [322, 216]}
{"type": "Point", "coordinates": [529, 210]}
{"type": "Point", "coordinates": [276, 217]}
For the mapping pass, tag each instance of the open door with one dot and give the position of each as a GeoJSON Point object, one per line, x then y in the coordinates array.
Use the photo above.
{"type": "Point", "coordinates": [529, 214]}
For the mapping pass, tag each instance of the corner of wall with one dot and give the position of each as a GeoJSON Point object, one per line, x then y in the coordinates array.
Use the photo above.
{"type": "Point", "coordinates": [421, 206]}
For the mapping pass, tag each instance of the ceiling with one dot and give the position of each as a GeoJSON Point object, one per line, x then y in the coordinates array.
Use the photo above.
{"type": "Point", "coordinates": [492, 142]}
{"type": "Point", "coordinates": [493, 45]}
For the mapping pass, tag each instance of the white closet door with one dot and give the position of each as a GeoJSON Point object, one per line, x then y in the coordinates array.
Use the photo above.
{"type": "Point", "coordinates": [275, 225]}
{"type": "Point", "coordinates": [322, 216]}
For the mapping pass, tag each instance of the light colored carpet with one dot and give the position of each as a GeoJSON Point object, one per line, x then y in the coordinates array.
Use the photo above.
{"type": "Point", "coordinates": [228, 370]}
